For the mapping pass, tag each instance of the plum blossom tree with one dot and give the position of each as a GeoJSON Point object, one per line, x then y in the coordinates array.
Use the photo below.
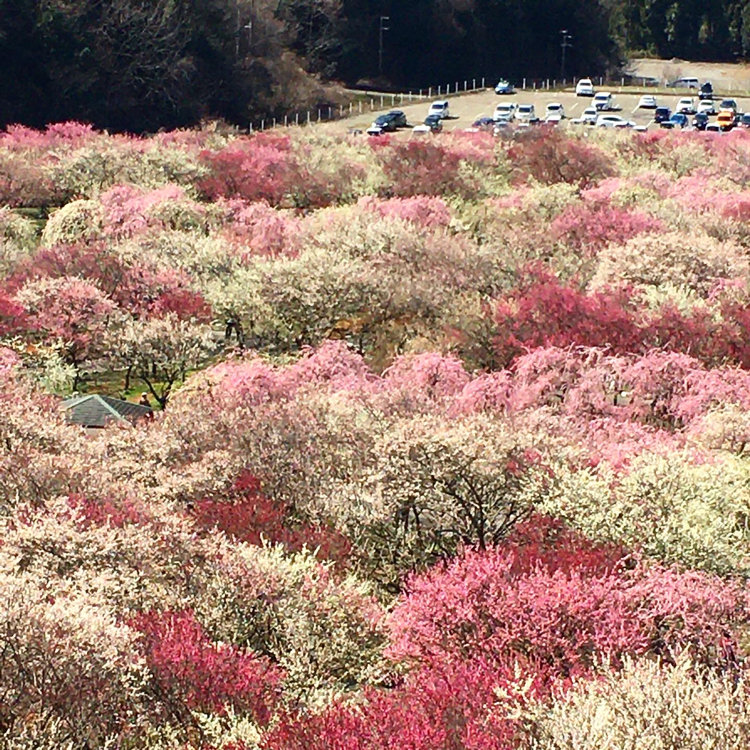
{"type": "Point", "coordinates": [159, 351]}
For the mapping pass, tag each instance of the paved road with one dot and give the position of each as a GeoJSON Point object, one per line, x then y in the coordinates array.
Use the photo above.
{"type": "Point", "coordinates": [465, 108]}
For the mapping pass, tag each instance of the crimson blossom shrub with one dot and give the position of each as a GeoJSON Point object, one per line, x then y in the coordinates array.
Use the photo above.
{"type": "Point", "coordinates": [492, 630]}
{"type": "Point", "coordinates": [248, 516]}
{"type": "Point", "coordinates": [428, 167]}
{"type": "Point", "coordinates": [550, 157]}
{"type": "Point", "coordinates": [194, 673]}
{"type": "Point", "coordinates": [561, 612]}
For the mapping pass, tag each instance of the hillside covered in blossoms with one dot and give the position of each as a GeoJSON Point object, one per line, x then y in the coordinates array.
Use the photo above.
{"type": "Point", "coordinates": [448, 450]}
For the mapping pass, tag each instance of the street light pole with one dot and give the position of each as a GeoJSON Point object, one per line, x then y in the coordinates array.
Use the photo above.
{"type": "Point", "coordinates": [381, 29]}
{"type": "Point", "coordinates": [564, 44]}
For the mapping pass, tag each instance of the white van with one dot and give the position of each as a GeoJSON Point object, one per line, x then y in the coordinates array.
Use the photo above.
{"type": "Point", "coordinates": [440, 108]}
{"type": "Point", "coordinates": [687, 82]}
{"type": "Point", "coordinates": [525, 113]}
{"type": "Point", "coordinates": [585, 87]}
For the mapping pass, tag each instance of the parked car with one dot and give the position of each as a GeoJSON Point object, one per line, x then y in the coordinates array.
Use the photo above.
{"type": "Point", "coordinates": [391, 121]}
{"type": "Point", "coordinates": [713, 127]}
{"type": "Point", "coordinates": [603, 101]}
{"type": "Point", "coordinates": [686, 106]}
{"type": "Point", "coordinates": [440, 107]}
{"type": "Point", "coordinates": [613, 121]}
{"type": "Point", "coordinates": [504, 87]}
{"type": "Point", "coordinates": [525, 113]}
{"type": "Point", "coordinates": [585, 87]}
{"type": "Point", "coordinates": [554, 108]}
{"type": "Point", "coordinates": [728, 104]}
{"type": "Point", "coordinates": [434, 123]}
{"type": "Point", "coordinates": [500, 127]}
{"type": "Point", "coordinates": [686, 82]}
{"type": "Point", "coordinates": [700, 120]}
{"type": "Point", "coordinates": [647, 101]}
{"type": "Point", "coordinates": [661, 114]}
{"type": "Point", "coordinates": [677, 120]}
{"type": "Point", "coordinates": [482, 123]}
{"type": "Point", "coordinates": [707, 106]}
{"type": "Point", "coordinates": [706, 92]}
{"type": "Point", "coordinates": [725, 119]}
{"type": "Point", "coordinates": [505, 111]}
{"type": "Point", "coordinates": [744, 120]}
{"type": "Point", "coordinates": [588, 117]}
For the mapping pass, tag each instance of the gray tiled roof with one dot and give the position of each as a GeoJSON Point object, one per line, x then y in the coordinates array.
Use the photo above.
{"type": "Point", "coordinates": [94, 410]}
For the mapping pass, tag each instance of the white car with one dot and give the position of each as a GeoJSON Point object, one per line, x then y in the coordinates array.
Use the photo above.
{"type": "Point", "coordinates": [525, 113]}
{"type": "Point", "coordinates": [585, 87]}
{"type": "Point", "coordinates": [440, 108]}
{"type": "Point", "coordinates": [647, 101]}
{"type": "Point", "coordinates": [613, 121]}
{"type": "Point", "coordinates": [588, 117]}
{"type": "Point", "coordinates": [603, 101]}
{"type": "Point", "coordinates": [554, 108]}
{"type": "Point", "coordinates": [686, 105]}
{"type": "Point", "coordinates": [504, 111]}
{"type": "Point", "coordinates": [707, 106]}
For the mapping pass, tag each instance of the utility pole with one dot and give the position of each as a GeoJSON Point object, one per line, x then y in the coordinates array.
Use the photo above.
{"type": "Point", "coordinates": [564, 44]}
{"type": "Point", "coordinates": [383, 21]}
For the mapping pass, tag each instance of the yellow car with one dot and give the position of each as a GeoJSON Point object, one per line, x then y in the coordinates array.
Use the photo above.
{"type": "Point", "coordinates": [725, 119]}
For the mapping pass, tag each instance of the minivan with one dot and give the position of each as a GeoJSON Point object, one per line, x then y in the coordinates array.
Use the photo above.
{"type": "Point", "coordinates": [525, 113]}
{"type": "Point", "coordinates": [687, 82]}
{"type": "Point", "coordinates": [440, 108]}
{"type": "Point", "coordinates": [585, 87]}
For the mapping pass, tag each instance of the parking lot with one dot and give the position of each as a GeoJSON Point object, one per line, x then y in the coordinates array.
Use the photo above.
{"type": "Point", "coordinates": [466, 108]}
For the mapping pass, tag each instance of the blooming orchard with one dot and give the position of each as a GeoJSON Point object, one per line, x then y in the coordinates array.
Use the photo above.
{"type": "Point", "coordinates": [450, 448]}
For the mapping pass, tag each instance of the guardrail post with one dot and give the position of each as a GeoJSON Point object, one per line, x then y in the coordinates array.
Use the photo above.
{"type": "Point", "coordinates": [438, 93]}
{"type": "Point", "coordinates": [296, 118]}
{"type": "Point", "coordinates": [554, 83]}
{"type": "Point", "coordinates": [263, 124]}
{"type": "Point", "coordinates": [524, 84]}
{"type": "Point", "coordinates": [482, 82]}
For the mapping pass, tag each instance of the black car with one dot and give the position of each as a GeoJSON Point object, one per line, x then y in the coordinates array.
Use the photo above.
{"type": "Point", "coordinates": [745, 120]}
{"type": "Point", "coordinates": [707, 91]}
{"type": "Point", "coordinates": [700, 121]}
{"type": "Point", "coordinates": [391, 120]}
{"type": "Point", "coordinates": [483, 123]}
{"type": "Point", "coordinates": [434, 123]}
{"type": "Point", "coordinates": [662, 114]}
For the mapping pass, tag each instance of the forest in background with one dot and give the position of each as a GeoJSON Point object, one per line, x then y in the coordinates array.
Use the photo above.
{"type": "Point", "coordinates": [130, 65]}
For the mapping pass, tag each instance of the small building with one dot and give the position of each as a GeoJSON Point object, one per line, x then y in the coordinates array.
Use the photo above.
{"type": "Point", "coordinates": [94, 411]}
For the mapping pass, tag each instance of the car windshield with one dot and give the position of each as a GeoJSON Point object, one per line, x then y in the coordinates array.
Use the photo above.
{"type": "Point", "coordinates": [525, 108]}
